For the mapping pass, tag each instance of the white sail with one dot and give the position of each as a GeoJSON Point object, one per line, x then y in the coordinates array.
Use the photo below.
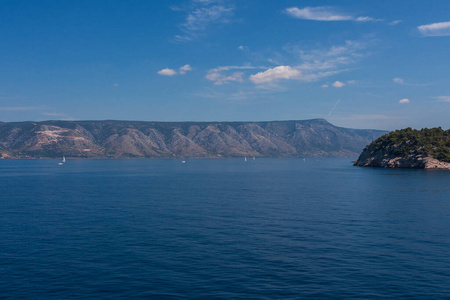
{"type": "Point", "coordinates": [64, 159]}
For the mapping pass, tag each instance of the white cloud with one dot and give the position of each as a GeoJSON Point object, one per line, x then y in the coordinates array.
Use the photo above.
{"type": "Point", "coordinates": [321, 13]}
{"type": "Point", "coordinates": [338, 84]}
{"type": "Point", "coordinates": [311, 65]}
{"type": "Point", "coordinates": [235, 76]}
{"type": "Point", "coordinates": [182, 70]}
{"type": "Point", "coordinates": [221, 75]}
{"type": "Point", "coordinates": [324, 86]}
{"type": "Point", "coordinates": [395, 22]}
{"type": "Point", "coordinates": [314, 64]}
{"type": "Point", "coordinates": [325, 13]}
{"type": "Point", "coordinates": [398, 80]}
{"type": "Point", "coordinates": [200, 18]}
{"type": "Point", "coordinates": [243, 48]}
{"type": "Point", "coordinates": [404, 101]}
{"type": "Point", "coordinates": [402, 81]}
{"type": "Point", "coordinates": [318, 64]}
{"type": "Point", "coordinates": [443, 98]}
{"type": "Point", "coordinates": [171, 72]}
{"type": "Point", "coordinates": [274, 74]}
{"type": "Point", "coordinates": [367, 19]}
{"type": "Point", "coordinates": [435, 29]}
{"type": "Point", "coordinates": [167, 72]}
{"type": "Point", "coordinates": [183, 38]}
{"type": "Point", "coordinates": [202, 15]}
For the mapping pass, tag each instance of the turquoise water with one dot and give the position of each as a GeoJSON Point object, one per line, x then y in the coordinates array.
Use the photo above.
{"type": "Point", "coordinates": [263, 229]}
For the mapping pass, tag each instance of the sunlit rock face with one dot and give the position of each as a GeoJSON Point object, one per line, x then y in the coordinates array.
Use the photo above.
{"type": "Point", "coordinates": [133, 139]}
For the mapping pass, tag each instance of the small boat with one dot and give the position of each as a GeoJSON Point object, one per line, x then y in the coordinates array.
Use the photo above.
{"type": "Point", "coordinates": [183, 161]}
{"type": "Point", "coordinates": [63, 161]}
{"type": "Point", "coordinates": [245, 158]}
{"type": "Point", "coordinates": [253, 158]}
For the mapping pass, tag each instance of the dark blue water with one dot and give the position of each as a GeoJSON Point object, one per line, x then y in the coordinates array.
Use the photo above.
{"type": "Point", "coordinates": [264, 229]}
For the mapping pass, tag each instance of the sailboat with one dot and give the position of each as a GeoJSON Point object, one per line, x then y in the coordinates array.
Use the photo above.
{"type": "Point", "coordinates": [63, 161]}
{"type": "Point", "coordinates": [253, 158]}
{"type": "Point", "coordinates": [245, 158]}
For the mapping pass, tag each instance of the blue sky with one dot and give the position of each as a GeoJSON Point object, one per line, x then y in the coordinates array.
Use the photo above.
{"type": "Point", "coordinates": [361, 64]}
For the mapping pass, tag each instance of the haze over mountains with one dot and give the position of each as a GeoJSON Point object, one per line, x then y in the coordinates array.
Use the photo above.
{"type": "Point", "coordinates": [136, 139]}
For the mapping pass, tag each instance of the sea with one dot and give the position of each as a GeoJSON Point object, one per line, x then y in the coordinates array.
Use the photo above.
{"type": "Point", "coordinates": [222, 229]}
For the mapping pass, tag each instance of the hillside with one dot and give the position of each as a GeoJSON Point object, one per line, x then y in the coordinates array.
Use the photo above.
{"type": "Point", "coordinates": [409, 148]}
{"type": "Point", "coordinates": [134, 139]}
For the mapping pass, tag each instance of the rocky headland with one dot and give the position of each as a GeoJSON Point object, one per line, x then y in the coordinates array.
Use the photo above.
{"type": "Point", "coordinates": [409, 148]}
{"type": "Point", "coordinates": [135, 139]}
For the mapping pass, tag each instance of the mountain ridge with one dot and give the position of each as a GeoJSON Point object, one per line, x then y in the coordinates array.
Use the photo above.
{"type": "Point", "coordinates": [152, 139]}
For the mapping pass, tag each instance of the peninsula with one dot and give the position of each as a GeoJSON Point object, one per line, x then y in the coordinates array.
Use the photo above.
{"type": "Point", "coordinates": [136, 139]}
{"type": "Point", "coordinates": [409, 148]}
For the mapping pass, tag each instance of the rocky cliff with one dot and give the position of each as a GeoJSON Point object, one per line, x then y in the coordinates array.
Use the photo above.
{"type": "Point", "coordinates": [133, 139]}
{"type": "Point", "coordinates": [408, 148]}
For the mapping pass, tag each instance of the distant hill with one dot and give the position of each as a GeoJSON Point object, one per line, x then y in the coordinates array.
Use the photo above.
{"type": "Point", "coordinates": [134, 139]}
{"type": "Point", "coordinates": [409, 148]}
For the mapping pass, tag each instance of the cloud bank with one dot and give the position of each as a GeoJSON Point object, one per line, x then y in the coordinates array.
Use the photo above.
{"type": "Point", "coordinates": [310, 66]}
{"type": "Point", "coordinates": [314, 64]}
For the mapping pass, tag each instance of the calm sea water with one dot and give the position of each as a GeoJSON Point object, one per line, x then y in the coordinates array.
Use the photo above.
{"type": "Point", "coordinates": [263, 229]}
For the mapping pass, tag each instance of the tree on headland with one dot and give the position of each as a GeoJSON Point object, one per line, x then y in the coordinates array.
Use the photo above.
{"type": "Point", "coordinates": [433, 142]}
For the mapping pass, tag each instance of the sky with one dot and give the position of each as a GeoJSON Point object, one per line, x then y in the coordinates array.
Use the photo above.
{"type": "Point", "coordinates": [360, 64]}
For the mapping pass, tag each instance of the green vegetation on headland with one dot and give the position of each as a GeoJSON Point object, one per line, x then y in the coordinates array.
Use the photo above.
{"type": "Point", "coordinates": [434, 142]}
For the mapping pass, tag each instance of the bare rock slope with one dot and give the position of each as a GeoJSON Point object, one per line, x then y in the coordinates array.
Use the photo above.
{"type": "Point", "coordinates": [134, 139]}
